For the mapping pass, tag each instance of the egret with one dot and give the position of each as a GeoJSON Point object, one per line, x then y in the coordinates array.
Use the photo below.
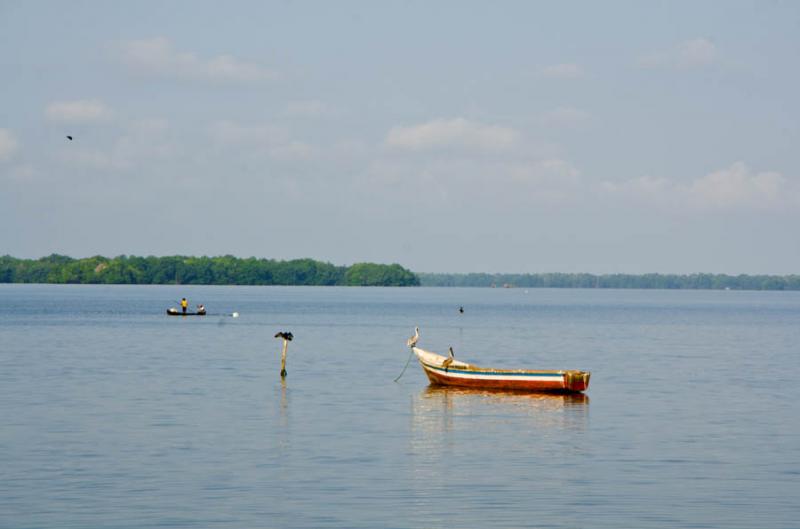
{"type": "Point", "coordinates": [413, 340]}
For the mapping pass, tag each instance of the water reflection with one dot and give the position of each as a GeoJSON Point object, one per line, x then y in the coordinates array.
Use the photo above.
{"type": "Point", "coordinates": [284, 403]}
{"type": "Point", "coordinates": [282, 420]}
{"type": "Point", "coordinates": [454, 396]}
{"type": "Point", "coordinates": [436, 408]}
{"type": "Point", "coordinates": [470, 431]}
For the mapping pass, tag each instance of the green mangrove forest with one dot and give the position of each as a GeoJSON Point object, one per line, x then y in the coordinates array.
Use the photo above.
{"type": "Point", "coordinates": [230, 270]}
{"type": "Point", "coordinates": [183, 270]}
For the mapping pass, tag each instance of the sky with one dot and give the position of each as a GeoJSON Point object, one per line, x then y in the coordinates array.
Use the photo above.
{"type": "Point", "coordinates": [517, 137]}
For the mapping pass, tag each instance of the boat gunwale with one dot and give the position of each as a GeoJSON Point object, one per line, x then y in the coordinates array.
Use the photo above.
{"type": "Point", "coordinates": [470, 368]}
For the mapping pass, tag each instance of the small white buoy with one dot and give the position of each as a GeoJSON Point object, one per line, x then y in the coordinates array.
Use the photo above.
{"type": "Point", "coordinates": [235, 314]}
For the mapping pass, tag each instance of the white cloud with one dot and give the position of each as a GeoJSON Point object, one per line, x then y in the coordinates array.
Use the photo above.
{"type": "Point", "coordinates": [150, 126]}
{"type": "Point", "coordinates": [93, 159]}
{"type": "Point", "coordinates": [552, 181]}
{"type": "Point", "coordinates": [23, 172]}
{"type": "Point", "coordinates": [158, 56]}
{"type": "Point", "coordinates": [494, 183]}
{"type": "Point", "coordinates": [234, 133]}
{"type": "Point", "coordinates": [562, 71]}
{"type": "Point", "coordinates": [137, 143]}
{"type": "Point", "coordinates": [566, 116]}
{"type": "Point", "coordinates": [521, 174]}
{"type": "Point", "coordinates": [78, 111]}
{"type": "Point", "coordinates": [735, 187]}
{"type": "Point", "coordinates": [697, 52]}
{"type": "Point", "coordinates": [273, 141]}
{"type": "Point", "coordinates": [8, 145]}
{"type": "Point", "coordinates": [693, 53]}
{"type": "Point", "coordinates": [456, 133]}
{"type": "Point", "coordinates": [292, 150]}
{"type": "Point", "coordinates": [642, 186]}
{"type": "Point", "coordinates": [349, 149]}
{"type": "Point", "coordinates": [309, 109]}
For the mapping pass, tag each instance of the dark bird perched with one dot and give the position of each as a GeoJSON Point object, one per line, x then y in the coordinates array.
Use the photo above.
{"type": "Point", "coordinates": [461, 310]}
{"type": "Point", "coordinates": [413, 340]}
{"type": "Point", "coordinates": [69, 138]}
{"type": "Point", "coordinates": [287, 337]}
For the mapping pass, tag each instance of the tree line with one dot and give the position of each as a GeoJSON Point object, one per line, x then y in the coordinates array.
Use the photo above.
{"type": "Point", "coordinates": [646, 281]}
{"type": "Point", "coordinates": [230, 270]}
{"type": "Point", "coordinates": [184, 270]}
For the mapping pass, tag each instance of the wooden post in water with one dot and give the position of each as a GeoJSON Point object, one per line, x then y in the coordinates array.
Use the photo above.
{"type": "Point", "coordinates": [287, 337]}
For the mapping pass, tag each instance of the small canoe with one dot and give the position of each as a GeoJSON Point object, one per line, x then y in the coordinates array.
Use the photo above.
{"type": "Point", "coordinates": [446, 371]}
{"type": "Point", "coordinates": [176, 312]}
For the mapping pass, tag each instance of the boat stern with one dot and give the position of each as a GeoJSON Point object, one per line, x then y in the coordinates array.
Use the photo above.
{"type": "Point", "coordinates": [576, 380]}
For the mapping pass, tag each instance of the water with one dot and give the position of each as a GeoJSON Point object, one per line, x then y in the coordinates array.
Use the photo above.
{"type": "Point", "coordinates": [115, 415]}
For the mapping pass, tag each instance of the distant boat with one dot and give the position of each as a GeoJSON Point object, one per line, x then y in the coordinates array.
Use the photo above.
{"type": "Point", "coordinates": [447, 371]}
{"type": "Point", "coordinates": [175, 312]}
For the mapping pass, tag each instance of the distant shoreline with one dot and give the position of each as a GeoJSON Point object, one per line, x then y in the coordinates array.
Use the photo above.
{"type": "Point", "coordinates": [229, 270]}
{"type": "Point", "coordinates": [614, 281]}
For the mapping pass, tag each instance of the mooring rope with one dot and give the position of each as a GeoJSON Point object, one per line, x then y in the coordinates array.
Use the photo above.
{"type": "Point", "coordinates": [404, 367]}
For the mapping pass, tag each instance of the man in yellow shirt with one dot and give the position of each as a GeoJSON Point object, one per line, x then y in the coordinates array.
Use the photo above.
{"type": "Point", "coordinates": [184, 305]}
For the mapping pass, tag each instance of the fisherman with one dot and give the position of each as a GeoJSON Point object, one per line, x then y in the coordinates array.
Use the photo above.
{"type": "Point", "coordinates": [201, 309]}
{"type": "Point", "coordinates": [184, 305]}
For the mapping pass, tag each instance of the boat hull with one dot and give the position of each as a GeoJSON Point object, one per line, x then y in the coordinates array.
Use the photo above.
{"type": "Point", "coordinates": [173, 312]}
{"type": "Point", "coordinates": [455, 373]}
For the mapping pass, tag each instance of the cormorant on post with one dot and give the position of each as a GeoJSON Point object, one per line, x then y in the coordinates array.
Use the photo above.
{"type": "Point", "coordinates": [69, 138]}
{"type": "Point", "coordinates": [461, 310]}
{"type": "Point", "coordinates": [287, 337]}
{"type": "Point", "coordinates": [413, 340]}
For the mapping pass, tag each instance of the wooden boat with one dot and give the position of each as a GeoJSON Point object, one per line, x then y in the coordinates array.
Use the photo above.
{"type": "Point", "coordinates": [447, 371]}
{"type": "Point", "coordinates": [175, 312]}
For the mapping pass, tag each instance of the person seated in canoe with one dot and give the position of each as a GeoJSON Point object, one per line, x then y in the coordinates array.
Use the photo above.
{"type": "Point", "coordinates": [184, 305]}
{"type": "Point", "coordinates": [201, 309]}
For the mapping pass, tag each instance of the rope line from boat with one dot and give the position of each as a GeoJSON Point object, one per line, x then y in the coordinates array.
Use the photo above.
{"type": "Point", "coordinates": [405, 366]}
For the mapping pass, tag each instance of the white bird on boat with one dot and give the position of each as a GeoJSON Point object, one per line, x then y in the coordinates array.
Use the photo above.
{"type": "Point", "coordinates": [413, 340]}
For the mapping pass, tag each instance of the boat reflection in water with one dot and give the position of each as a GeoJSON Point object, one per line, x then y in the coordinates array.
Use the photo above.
{"type": "Point", "coordinates": [491, 438]}
{"type": "Point", "coordinates": [506, 397]}
{"type": "Point", "coordinates": [443, 405]}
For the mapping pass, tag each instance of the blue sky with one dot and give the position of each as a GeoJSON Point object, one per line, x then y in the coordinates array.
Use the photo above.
{"type": "Point", "coordinates": [447, 136]}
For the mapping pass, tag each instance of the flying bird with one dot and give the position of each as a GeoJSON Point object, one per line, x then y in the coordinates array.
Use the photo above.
{"type": "Point", "coordinates": [413, 340]}
{"type": "Point", "coordinates": [285, 335]}
{"type": "Point", "coordinates": [69, 138]}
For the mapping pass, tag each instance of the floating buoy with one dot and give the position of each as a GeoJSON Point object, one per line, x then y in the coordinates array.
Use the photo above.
{"type": "Point", "coordinates": [235, 314]}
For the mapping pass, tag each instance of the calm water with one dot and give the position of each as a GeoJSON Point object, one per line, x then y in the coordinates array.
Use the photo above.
{"type": "Point", "coordinates": [115, 415]}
